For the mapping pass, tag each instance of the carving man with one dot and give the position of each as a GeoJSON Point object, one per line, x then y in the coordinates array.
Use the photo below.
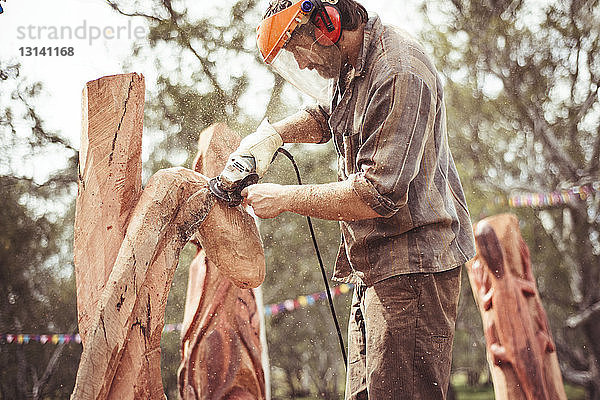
{"type": "Point", "coordinates": [405, 224]}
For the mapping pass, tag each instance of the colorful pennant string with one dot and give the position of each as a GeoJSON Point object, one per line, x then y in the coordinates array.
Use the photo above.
{"type": "Point", "coordinates": [558, 197]}
{"type": "Point", "coordinates": [58, 338]}
{"type": "Point", "coordinates": [270, 309]}
{"type": "Point", "coordinates": [306, 300]}
{"type": "Point", "coordinates": [22, 338]}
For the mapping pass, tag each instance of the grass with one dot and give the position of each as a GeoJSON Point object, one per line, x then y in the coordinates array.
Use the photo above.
{"type": "Point", "coordinates": [482, 392]}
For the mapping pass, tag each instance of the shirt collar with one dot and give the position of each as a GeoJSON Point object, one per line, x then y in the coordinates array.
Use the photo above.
{"type": "Point", "coordinates": [372, 31]}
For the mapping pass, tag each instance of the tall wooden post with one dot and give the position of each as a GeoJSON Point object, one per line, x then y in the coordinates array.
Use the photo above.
{"type": "Point", "coordinates": [127, 244]}
{"type": "Point", "coordinates": [520, 349]}
{"type": "Point", "coordinates": [109, 184]}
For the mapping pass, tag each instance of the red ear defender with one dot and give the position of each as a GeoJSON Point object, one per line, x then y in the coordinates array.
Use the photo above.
{"type": "Point", "coordinates": [323, 36]}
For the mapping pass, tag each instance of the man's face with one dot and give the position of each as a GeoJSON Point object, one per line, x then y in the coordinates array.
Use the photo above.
{"type": "Point", "coordinates": [309, 54]}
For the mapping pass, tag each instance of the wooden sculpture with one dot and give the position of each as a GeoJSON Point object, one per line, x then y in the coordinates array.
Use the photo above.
{"type": "Point", "coordinates": [520, 350]}
{"type": "Point", "coordinates": [127, 244]}
{"type": "Point", "coordinates": [221, 348]}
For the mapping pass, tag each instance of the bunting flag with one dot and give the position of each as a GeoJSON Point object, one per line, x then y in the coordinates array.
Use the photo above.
{"type": "Point", "coordinates": [172, 328]}
{"type": "Point", "coordinates": [306, 300]}
{"type": "Point", "coordinates": [23, 338]}
{"type": "Point", "coordinates": [270, 309]}
{"type": "Point", "coordinates": [59, 338]}
{"type": "Point", "coordinates": [558, 197]}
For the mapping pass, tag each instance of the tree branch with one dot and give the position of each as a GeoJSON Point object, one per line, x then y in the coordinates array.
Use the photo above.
{"type": "Point", "coordinates": [174, 18]}
{"type": "Point", "coordinates": [183, 34]}
{"type": "Point", "coordinates": [39, 129]}
{"type": "Point", "coordinates": [556, 151]}
{"type": "Point", "coordinates": [573, 356]}
{"type": "Point", "coordinates": [585, 106]}
{"type": "Point", "coordinates": [575, 281]}
{"type": "Point", "coordinates": [115, 7]}
{"type": "Point", "coordinates": [38, 387]}
{"type": "Point", "coordinates": [542, 129]}
{"type": "Point", "coordinates": [595, 161]}
{"type": "Point", "coordinates": [576, 377]}
{"type": "Point", "coordinates": [584, 316]}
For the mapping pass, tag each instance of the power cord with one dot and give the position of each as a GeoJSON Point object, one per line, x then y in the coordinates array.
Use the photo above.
{"type": "Point", "coordinates": [316, 246]}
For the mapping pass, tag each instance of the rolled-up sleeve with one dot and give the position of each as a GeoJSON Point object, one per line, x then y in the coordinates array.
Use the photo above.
{"type": "Point", "coordinates": [320, 115]}
{"type": "Point", "coordinates": [398, 119]}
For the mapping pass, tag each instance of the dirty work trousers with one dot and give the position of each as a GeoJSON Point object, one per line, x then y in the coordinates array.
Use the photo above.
{"type": "Point", "coordinates": [400, 337]}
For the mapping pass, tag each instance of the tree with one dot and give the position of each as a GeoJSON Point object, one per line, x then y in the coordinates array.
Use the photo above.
{"type": "Point", "coordinates": [522, 82]}
{"type": "Point", "coordinates": [36, 281]}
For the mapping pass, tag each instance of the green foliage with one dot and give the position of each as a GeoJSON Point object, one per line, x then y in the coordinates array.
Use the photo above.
{"type": "Point", "coordinates": [303, 344]}
{"type": "Point", "coordinates": [522, 93]}
{"type": "Point", "coordinates": [170, 342]}
{"type": "Point", "coordinates": [37, 285]}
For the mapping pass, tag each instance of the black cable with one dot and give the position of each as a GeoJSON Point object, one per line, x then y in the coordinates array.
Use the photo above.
{"type": "Point", "coordinates": [316, 246]}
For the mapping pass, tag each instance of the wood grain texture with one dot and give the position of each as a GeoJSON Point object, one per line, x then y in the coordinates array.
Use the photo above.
{"type": "Point", "coordinates": [127, 244]}
{"type": "Point", "coordinates": [109, 184]}
{"type": "Point", "coordinates": [121, 358]}
{"type": "Point", "coordinates": [221, 347]}
{"type": "Point", "coordinates": [520, 349]}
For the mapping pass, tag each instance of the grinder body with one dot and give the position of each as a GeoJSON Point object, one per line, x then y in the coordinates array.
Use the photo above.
{"type": "Point", "coordinates": [239, 172]}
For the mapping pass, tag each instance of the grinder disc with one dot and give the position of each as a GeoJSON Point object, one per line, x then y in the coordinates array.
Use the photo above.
{"type": "Point", "coordinates": [213, 186]}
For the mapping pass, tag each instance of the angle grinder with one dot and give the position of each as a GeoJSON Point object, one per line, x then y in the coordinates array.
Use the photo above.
{"type": "Point", "coordinates": [239, 172]}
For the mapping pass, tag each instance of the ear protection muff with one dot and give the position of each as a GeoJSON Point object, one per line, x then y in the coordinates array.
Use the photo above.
{"type": "Point", "coordinates": [328, 22]}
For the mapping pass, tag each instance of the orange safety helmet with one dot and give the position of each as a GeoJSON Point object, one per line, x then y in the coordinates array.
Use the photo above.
{"type": "Point", "coordinates": [298, 42]}
{"type": "Point", "coordinates": [275, 30]}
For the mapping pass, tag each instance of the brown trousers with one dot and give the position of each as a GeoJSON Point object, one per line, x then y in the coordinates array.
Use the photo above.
{"type": "Point", "coordinates": [400, 337]}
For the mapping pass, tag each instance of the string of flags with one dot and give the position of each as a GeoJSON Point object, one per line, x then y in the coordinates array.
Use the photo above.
{"type": "Point", "coordinates": [59, 338]}
{"type": "Point", "coordinates": [307, 300]}
{"type": "Point", "coordinates": [558, 197]}
{"type": "Point", "coordinates": [270, 309]}
{"type": "Point", "coordinates": [43, 339]}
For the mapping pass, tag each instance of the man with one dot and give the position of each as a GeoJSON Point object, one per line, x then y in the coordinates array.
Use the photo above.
{"type": "Point", "coordinates": [404, 220]}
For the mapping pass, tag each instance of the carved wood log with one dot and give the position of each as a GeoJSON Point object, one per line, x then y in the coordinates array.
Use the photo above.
{"type": "Point", "coordinates": [520, 349]}
{"type": "Point", "coordinates": [122, 314]}
{"type": "Point", "coordinates": [221, 347]}
{"type": "Point", "coordinates": [110, 182]}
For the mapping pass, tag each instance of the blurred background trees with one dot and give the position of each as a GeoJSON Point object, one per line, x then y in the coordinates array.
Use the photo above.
{"type": "Point", "coordinates": [522, 85]}
{"type": "Point", "coordinates": [521, 80]}
{"type": "Point", "coordinates": [37, 286]}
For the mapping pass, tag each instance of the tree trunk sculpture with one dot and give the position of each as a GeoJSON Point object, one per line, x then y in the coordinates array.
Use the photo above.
{"type": "Point", "coordinates": [127, 244]}
{"type": "Point", "coordinates": [520, 349]}
{"type": "Point", "coordinates": [221, 347]}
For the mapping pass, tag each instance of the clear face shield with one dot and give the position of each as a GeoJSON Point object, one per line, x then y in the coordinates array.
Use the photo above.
{"type": "Point", "coordinates": [311, 62]}
{"type": "Point", "coordinates": [300, 51]}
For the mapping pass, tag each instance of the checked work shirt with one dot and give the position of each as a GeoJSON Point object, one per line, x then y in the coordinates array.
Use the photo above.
{"type": "Point", "coordinates": [389, 131]}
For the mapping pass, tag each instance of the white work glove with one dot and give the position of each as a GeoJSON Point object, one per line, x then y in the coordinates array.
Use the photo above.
{"type": "Point", "coordinates": [261, 145]}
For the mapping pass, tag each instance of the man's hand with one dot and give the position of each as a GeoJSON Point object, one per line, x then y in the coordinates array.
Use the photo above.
{"type": "Point", "coordinates": [268, 200]}
{"type": "Point", "coordinates": [261, 145]}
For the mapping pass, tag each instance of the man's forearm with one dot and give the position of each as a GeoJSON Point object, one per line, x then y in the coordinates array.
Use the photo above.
{"type": "Point", "coordinates": [331, 201]}
{"type": "Point", "coordinates": [299, 128]}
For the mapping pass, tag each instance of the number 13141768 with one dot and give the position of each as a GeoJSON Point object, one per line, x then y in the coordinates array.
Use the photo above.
{"type": "Point", "coordinates": [46, 51]}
